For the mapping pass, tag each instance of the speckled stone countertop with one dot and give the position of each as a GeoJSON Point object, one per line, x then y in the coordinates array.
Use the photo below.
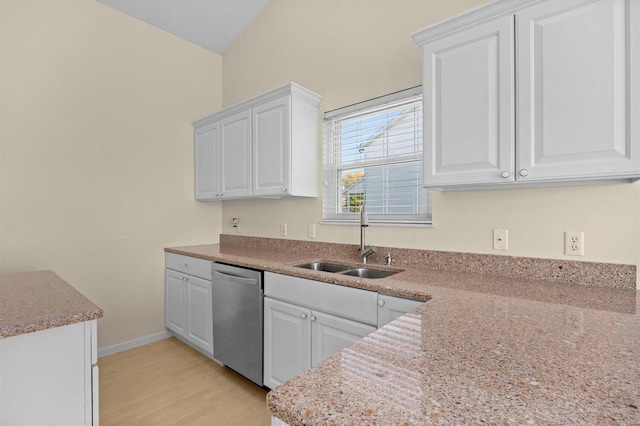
{"type": "Point", "coordinates": [34, 301]}
{"type": "Point", "coordinates": [482, 349]}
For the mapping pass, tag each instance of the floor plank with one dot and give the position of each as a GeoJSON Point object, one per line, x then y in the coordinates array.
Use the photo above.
{"type": "Point", "coordinates": [169, 383]}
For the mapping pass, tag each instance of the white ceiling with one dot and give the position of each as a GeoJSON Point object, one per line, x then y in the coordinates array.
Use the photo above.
{"type": "Point", "coordinates": [212, 24]}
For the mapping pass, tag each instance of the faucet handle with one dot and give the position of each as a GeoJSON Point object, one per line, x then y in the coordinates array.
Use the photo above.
{"type": "Point", "coordinates": [364, 218]}
{"type": "Point", "coordinates": [388, 259]}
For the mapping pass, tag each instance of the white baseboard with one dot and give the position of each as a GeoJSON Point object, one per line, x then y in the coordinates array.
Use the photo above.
{"type": "Point", "coordinates": [109, 350]}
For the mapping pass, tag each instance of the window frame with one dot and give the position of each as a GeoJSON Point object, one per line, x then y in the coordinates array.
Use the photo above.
{"type": "Point", "coordinates": [333, 191]}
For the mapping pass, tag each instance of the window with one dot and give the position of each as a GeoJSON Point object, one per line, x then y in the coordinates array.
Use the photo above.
{"type": "Point", "coordinates": [373, 156]}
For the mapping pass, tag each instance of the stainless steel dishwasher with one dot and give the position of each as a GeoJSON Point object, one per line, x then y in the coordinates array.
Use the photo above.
{"type": "Point", "coordinates": [237, 319]}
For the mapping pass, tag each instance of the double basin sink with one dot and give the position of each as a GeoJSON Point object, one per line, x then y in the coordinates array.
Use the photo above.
{"type": "Point", "coordinates": [353, 271]}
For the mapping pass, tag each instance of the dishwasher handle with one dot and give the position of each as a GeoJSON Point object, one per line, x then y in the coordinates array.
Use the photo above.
{"type": "Point", "coordinates": [237, 279]}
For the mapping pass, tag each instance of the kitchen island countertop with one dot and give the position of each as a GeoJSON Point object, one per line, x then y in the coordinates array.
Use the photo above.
{"type": "Point", "coordinates": [35, 301]}
{"type": "Point", "coordinates": [482, 349]}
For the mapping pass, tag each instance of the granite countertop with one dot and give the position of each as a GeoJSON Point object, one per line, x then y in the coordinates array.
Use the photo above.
{"type": "Point", "coordinates": [35, 301]}
{"type": "Point", "coordinates": [482, 349]}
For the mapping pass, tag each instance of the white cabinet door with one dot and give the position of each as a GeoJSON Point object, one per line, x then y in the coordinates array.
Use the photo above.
{"type": "Point", "coordinates": [199, 313]}
{"type": "Point", "coordinates": [266, 146]}
{"type": "Point", "coordinates": [235, 153]}
{"type": "Point", "coordinates": [331, 334]}
{"type": "Point", "coordinates": [287, 341]}
{"type": "Point", "coordinates": [175, 302]}
{"type": "Point", "coordinates": [207, 171]}
{"type": "Point", "coordinates": [272, 147]}
{"type": "Point", "coordinates": [468, 87]}
{"type": "Point", "coordinates": [576, 85]}
{"type": "Point", "coordinates": [345, 302]}
{"type": "Point", "coordinates": [391, 307]}
{"type": "Point", "coordinates": [95, 395]}
{"type": "Point", "coordinates": [43, 377]}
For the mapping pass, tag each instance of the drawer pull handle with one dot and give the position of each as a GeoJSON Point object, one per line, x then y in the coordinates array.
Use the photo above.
{"type": "Point", "coordinates": [312, 318]}
{"type": "Point", "coordinates": [380, 302]}
{"type": "Point", "coordinates": [304, 316]}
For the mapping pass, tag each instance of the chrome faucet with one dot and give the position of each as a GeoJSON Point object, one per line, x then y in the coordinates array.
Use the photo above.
{"type": "Point", "coordinates": [364, 222]}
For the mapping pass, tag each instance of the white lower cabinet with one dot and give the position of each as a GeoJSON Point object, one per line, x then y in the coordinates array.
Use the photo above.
{"type": "Point", "coordinates": [200, 313]}
{"type": "Point", "coordinates": [50, 377]}
{"type": "Point", "coordinates": [392, 307]}
{"type": "Point", "coordinates": [175, 306]}
{"type": "Point", "coordinates": [287, 341]}
{"type": "Point", "coordinates": [298, 338]}
{"type": "Point", "coordinates": [331, 334]}
{"type": "Point", "coordinates": [307, 321]}
{"type": "Point", "coordinates": [188, 301]}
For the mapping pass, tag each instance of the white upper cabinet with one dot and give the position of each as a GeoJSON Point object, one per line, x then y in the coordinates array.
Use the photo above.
{"type": "Point", "coordinates": [272, 147]}
{"type": "Point", "coordinates": [268, 147]}
{"type": "Point", "coordinates": [207, 173]}
{"type": "Point", "coordinates": [532, 93]}
{"type": "Point", "coordinates": [576, 89]}
{"type": "Point", "coordinates": [468, 105]}
{"type": "Point", "coordinates": [235, 155]}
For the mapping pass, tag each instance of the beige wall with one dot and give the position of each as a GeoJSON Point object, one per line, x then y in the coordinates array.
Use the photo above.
{"type": "Point", "coordinates": [96, 166]}
{"type": "Point", "coordinates": [350, 51]}
{"type": "Point", "coordinates": [96, 172]}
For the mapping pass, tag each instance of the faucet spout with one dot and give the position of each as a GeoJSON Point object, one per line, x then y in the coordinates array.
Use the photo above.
{"type": "Point", "coordinates": [364, 223]}
{"type": "Point", "coordinates": [364, 254]}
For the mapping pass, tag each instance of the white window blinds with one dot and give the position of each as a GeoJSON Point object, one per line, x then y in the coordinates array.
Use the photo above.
{"type": "Point", "coordinates": [373, 155]}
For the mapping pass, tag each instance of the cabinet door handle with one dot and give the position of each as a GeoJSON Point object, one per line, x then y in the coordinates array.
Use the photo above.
{"type": "Point", "coordinates": [524, 172]}
{"type": "Point", "coordinates": [303, 316]}
{"type": "Point", "coordinates": [380, 302]}
{"type": "Point", "coordinates": [185, 264]}
{"type": "Point", "coordinates": [504, 174]}
{"type": "Point", "coordinates": [312, 318]}
{"type": "Point", "coordinates": [284, 189]}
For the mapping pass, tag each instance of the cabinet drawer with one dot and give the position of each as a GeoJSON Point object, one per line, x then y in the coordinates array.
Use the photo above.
{"type": "Point", "coordinates": [346, 302]}
{"type": "Point", "coordinates": [188, 265]}
{"type": "Point", "coordinates": [393, 307]}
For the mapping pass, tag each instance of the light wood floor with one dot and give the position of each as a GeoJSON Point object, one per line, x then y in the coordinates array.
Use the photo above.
{"type": "Point", "coordinates": [169, 383]}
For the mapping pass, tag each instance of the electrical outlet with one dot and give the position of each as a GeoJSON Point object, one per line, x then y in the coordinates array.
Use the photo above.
{"type": "Point", "coordinates": [500, 239]}
{"type": "Point", "coordinates": [574, 243]}
{"type": "Point", "coordinates": [235, 222]}
{"type": "Point", "coordinates": [283, 229]}
{"type": "Point", "coordinates": [311, 231]}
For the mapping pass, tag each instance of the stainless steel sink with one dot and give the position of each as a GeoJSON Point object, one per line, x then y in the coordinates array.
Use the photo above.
{"type": "Point", "coordinates": [351, 270]}
{"type": "Point", "coordinates": [368, 273]}
{"type": "Point", "coordinates": [324, 266]}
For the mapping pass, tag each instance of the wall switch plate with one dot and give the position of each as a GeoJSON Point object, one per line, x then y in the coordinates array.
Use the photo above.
{"type": "Point", "coordinates": [500, 239]}
{"type": "Point", "coordinates": [574, 243]}
{"type": "Point", "coordinates": [235, 222]}
{"type": "Point", "coordinates": [311, 231]}
{"type": "Point", "coordinates": [283, 229]}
